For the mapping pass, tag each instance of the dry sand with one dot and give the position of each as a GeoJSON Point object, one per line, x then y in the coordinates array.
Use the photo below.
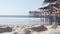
{"type": "Point", "coordinates": [27, 30]}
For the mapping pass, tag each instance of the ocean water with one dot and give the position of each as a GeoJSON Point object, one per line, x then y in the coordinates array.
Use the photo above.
{"type": "Point", "coordinates": [22, 20]}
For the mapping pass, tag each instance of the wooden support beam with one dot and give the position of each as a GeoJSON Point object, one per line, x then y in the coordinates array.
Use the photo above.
{"type": "Point", "coordinates": [56, 12]}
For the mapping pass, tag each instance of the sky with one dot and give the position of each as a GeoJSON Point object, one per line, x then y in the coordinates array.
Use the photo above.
{"type": "Point", "coordinates": [19, 7]}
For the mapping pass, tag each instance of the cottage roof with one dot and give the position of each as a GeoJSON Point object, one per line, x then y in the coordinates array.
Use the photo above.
{"type": "Point", "coordinates": [50, 1]}
{"type": "Point", "coordinates": [45, 6]}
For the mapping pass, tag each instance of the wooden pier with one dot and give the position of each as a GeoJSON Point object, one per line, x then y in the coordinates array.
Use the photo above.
{"type": "Point", "coordinates": [51, 10]}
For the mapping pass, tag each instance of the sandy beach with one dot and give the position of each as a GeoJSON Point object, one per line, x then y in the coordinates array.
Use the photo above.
{"type": "Point", "coordinates": [31, 29]}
